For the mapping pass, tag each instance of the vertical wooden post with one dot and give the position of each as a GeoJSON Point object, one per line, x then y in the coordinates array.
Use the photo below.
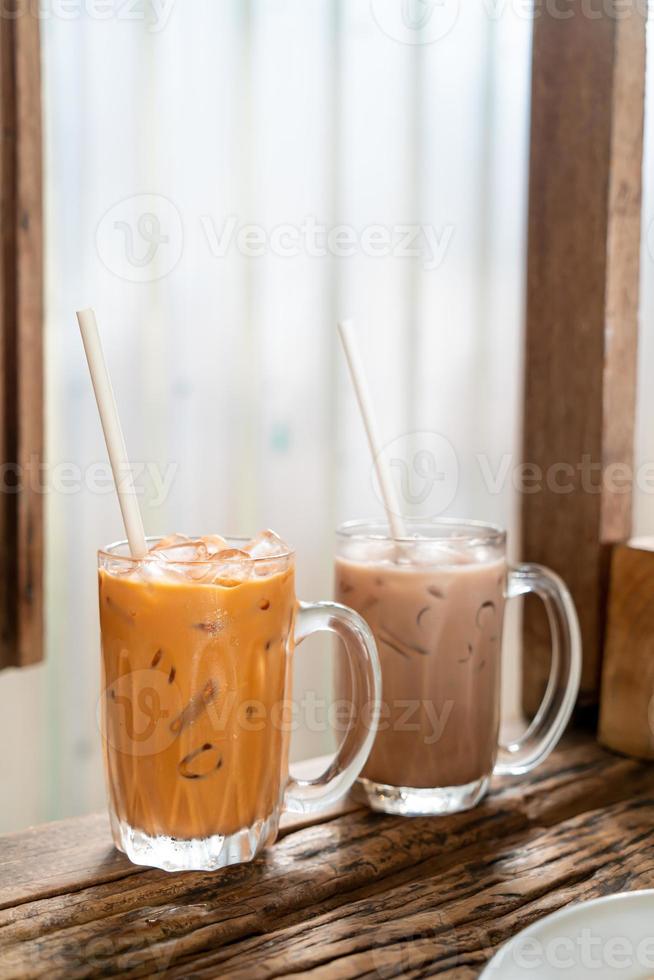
{"type": "Point", "coordinates": [21, 325]}
{"type": "Point", "coordinates": [588, 91]}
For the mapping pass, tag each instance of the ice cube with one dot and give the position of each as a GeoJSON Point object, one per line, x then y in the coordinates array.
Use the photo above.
{"type": "Point", "coordinates": [214, 543]}
{"type": "Point", "coordinates": [189, 550]}
{"type": "Point", "coordinates": [369, 550]}
{"type": "Point", "coordinates": [266, 544]}
{"type": "Point", "coordinates": [181, 558]}
{"type": "Point", "coordinates": [155, 571]}
{"type": "Point", "coordinates": [119, 566]}
{"type": "Point", "coordinates": [230, 567]}
{"type": "Point", "coordinates": [170, 542]}
{"type": "Point", "coordinates": [426, 552]}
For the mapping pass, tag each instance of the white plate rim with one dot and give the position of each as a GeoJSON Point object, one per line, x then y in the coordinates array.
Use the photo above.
{"type": "Point", "coordinates": [564, 913]}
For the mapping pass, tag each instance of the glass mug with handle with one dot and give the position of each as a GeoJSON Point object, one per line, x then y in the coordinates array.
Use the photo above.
{"type": "Point", "coordinates": [435, 603]}
{"type": "Point", "coordinates": [197, 644]}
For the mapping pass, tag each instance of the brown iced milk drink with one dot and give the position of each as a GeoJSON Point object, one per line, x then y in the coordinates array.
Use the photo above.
{"type": "Point", "coordinates": [195, 661]}
{"type": "Point", "coordinates": [436, 613]}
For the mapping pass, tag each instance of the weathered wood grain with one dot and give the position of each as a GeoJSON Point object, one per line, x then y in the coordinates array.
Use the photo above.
{"type": "Point", "coordinates": [452, 918]}
{"type": "Point", "coordinates": [582, 311]}
{"type": "Point", "coordinates": [361, 895]}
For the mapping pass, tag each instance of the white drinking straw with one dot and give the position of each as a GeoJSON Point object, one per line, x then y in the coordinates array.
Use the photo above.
{"type": "Point", "coordinates": [362, 391]}
{"type": "Point", "coordinates": [113, 434]}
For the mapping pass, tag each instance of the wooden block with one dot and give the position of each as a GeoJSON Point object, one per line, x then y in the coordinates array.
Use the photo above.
{"type": "Point", "coordinates": [582, 301]}
{"type": "Point", "coordinates": [627, 702]}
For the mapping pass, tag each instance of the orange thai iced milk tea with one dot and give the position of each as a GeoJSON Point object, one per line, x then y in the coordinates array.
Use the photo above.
{"type": "Point", "coordinates": [196, 663]}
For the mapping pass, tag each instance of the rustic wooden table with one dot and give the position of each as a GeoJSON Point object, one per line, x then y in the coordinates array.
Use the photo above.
{"type": "Point", "coordinates": [357, 895]}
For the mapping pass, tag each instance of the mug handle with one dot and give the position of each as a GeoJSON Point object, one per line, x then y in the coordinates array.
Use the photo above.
{"type": "Point", "coordinates": [553, 715]}
{"type": "Point", "coordinates": [309, 795]}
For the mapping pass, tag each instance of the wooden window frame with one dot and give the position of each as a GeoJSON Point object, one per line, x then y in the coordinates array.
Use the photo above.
{"type": "Point", "coordinates": [21, 339]}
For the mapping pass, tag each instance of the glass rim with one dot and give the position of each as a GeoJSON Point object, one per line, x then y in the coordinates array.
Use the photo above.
{"type": "Point", "coordinates": [109, 552]}
{"type": "Point", "coordinates": [472, 532]}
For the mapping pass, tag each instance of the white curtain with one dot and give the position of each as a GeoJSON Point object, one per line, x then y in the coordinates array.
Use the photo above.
{"type": "Point", "coordinates": [177, 143]}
